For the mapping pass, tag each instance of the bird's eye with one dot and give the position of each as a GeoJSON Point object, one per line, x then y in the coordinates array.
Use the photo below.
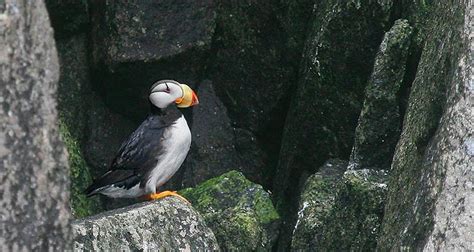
{"type": "Point", "coordinates": [167, 88]}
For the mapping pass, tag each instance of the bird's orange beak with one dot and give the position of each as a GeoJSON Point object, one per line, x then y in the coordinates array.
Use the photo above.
{"type": "Point", "coordinates": [189, 97]}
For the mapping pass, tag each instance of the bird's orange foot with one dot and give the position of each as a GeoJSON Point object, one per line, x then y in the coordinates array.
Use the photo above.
{"type": "Point", "coordinates": [155, 196]}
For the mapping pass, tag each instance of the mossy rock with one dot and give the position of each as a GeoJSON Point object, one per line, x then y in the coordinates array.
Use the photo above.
{"type": "Point", "coordinates": [340, 211]}
{"type": "Point", "coordinates": [354, 222]}
{"type": "Point", "coordinates": [73, 105]}
{"type": "Point", "coordinates": [81, 206]}
{"type": "Point", "coordinates": [336, 63]}
{"type": "Point", "coordinates": [239, 212]}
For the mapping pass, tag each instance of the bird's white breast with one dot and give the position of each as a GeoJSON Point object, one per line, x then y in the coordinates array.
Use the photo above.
{"type": "Point", "coordinates": [176, 141]}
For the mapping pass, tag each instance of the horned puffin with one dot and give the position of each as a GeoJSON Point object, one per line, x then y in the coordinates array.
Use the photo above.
{"type": "Point", "coordinates": [155, 150]}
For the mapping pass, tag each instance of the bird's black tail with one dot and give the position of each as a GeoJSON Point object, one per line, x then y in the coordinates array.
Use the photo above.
{"type": "Point", "coordinates": [118, 178]}
{"type": "Point", "coordinates": [91, 190]}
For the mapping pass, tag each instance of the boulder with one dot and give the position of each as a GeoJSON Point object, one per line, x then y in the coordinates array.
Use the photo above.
{"type": "Point", "coordinates": [34, 201]}
{"type": "Point", "coordinates": [150, 31]}
{"type": "Point", "coordinates": [430, 200]}
{"type": "Point", "coordinates": [379, 123]}
{"type": "Point", "coordinates": [340, 211]}
{"type": "Point", "coordinates": [239, 212]}
{"type": "Point", "coordinates": [317, 199]}
{"type": "Point", "coordinates": [166, 224]}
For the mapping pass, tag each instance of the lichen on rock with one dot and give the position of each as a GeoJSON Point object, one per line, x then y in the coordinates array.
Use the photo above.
{"type": "Point", "coordinates": [34, 174]}
{"type": "Point", "coordinates": [167, 224]}
{"type": "Point", "coordinates": [239, 212]}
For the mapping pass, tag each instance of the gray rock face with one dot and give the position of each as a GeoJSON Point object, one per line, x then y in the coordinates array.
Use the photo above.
{"type": "Point", "coordinates": [340, 211]}
{"type": "Point", "coordinates": [167, 224]}
{"type": "Point", "coordinates": [430, 200]}
{"type": "Point", "coordinates": [213, 151]}
{"type": "Point", "coordinates": [239, 212]}
{"type": "Point", "coordinates": [453, 152]}
{"type": "Point", "coordinates": [379, 123]}
{"type": "Point", "coordinates": [34, 191]}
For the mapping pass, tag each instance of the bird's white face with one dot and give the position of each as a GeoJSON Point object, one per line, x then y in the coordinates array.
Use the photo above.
{"type": "Point", "coordinates": [165, 92]}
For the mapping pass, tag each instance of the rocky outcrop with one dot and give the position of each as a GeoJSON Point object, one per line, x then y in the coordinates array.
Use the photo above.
{"type": "Point", "coordinates": [334, 71]}
{"type": "Point", "coordinates": [340, 211]}
{"type": "Point", "coordinates": [166, 224]}
{"type": "Point", "coordinates": [336, 64]}
{"type": "Point", "coordinates": [430, 200]}
{"type": "Point", "coordinates": [34, 201]}
{"type": "Point", "coordinates": [239, 212]}
{"type": "Point", "coordinates": [379, 123]}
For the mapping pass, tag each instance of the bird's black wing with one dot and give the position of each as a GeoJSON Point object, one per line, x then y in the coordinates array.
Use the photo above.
{"type": "Point", "coordinates": [137, 156]}
{"type": "Point", "coordinates": [141, 151]}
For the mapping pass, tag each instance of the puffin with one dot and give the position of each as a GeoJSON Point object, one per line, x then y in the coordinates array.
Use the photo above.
{"type": "Point", "coordinates": [153, 153]}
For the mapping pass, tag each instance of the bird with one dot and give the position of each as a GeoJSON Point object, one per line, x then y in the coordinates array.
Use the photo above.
{"type": "Point", "coordinates": [153, 153]}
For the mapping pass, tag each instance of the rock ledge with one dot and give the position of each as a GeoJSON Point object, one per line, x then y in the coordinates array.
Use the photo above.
{"type": "Point", "coordinates": [167, 224]}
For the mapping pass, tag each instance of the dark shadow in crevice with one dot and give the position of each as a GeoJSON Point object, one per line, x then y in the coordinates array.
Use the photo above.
{"type": "Point", "coordinates": [413, 61]}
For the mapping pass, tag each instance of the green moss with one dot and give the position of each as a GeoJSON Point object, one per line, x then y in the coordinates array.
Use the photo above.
{"type": "Point", "coordinates": [81, 206]}
{"type": "Point", "coordinates": [266, 213]}
{"type": "Point", "coordinates": [239, 212]}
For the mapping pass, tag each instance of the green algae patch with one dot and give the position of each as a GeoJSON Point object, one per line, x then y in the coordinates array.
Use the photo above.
{"type": "Point", "coordinates": [81, 206]}
{"type": "Point", "coordinates": [239, 212]}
